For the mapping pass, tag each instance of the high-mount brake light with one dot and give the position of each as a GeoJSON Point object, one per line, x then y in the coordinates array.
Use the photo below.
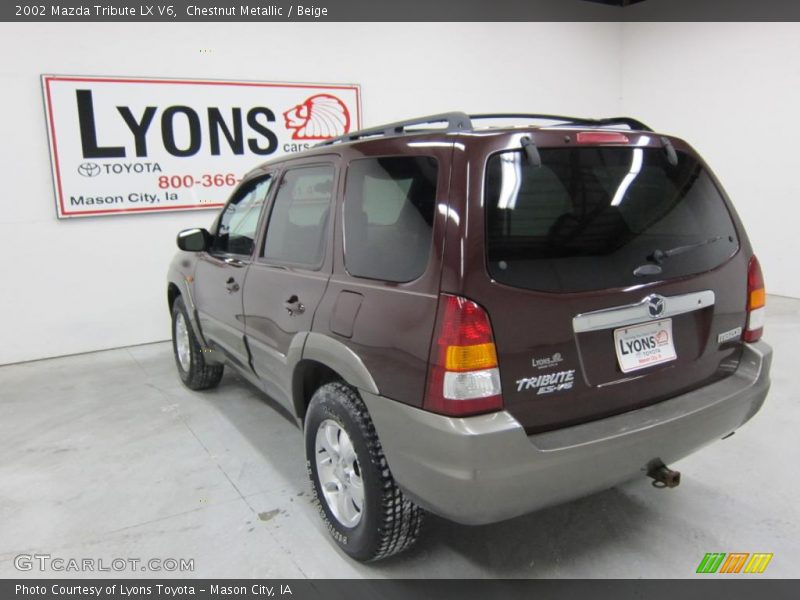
{"type": "Point", "coordinates": [463, 378]}
{"type": "Point", "coordinates": [756, 302]}
{"type": "Point", "coordinates": [602, 137]}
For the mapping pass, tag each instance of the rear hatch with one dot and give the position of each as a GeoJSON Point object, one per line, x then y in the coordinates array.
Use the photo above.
{"type": "Point", "coordinates": [616, 276]}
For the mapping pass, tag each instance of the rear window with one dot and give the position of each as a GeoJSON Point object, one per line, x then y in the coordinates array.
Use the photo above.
{"type": "Point", "coordinates": [388, 217]}
{"type": "Point", "coordinates": [298, 225]}
{"type": "Point", "coordinates": [594, 218]}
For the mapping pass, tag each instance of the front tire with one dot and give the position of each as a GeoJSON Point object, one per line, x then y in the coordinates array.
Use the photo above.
{"type": "Point", "coordinates": [366, 513]}
{"type": "Point", "coordinates": [193, 369]}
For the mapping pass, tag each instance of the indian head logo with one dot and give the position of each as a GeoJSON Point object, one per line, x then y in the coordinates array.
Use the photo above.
{"type": "Point", "coordinates": [320, 117]}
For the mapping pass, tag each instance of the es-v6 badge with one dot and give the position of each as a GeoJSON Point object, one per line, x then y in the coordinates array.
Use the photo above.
{"type": "Point", "coordinates": [548, 383]}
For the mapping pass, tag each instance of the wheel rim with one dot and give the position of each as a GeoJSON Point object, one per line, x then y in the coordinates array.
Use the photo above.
{"type": "Point", "coordinates": [182, 346]}
{"type": "Point", "coordinates": [339, 473]}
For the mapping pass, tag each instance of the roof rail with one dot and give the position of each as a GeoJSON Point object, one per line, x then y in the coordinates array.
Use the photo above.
{"type": "Point", "coordinates": [459, 121]}
{"type": "Point", "coordinates": [631, 123]}
{"type": "Point", "coordinates": [456, 121]}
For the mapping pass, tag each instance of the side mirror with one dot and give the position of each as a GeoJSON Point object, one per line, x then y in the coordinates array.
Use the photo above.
{"type": "Point", "coordinates": [194, 240]}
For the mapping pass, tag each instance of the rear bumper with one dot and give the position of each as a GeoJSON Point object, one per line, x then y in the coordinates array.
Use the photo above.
{"type": "Point", "coordinates": [486, 469]}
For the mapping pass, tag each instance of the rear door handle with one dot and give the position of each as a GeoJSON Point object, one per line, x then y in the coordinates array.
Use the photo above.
{"type": "Point", "coordinates": [293, 306]}
{"type": "Point", "coordinates": [231, 285]}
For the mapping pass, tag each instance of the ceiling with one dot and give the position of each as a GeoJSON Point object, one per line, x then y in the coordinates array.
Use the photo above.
{"type": "Point", "coordinates": [616, 2]}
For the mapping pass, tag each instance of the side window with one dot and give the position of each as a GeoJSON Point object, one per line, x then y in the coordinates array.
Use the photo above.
{"type": "Point", "coordinates": [388, 217]}
{"type": "Point", "coordinates": [239, 220]}
{"type": "Point", "coordinates": [298, 225]}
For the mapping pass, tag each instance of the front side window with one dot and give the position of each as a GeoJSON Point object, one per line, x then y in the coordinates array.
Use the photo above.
{"type": "Point", "coordinates": [593, 218]}
{"type": "Point", "coordinates": [298, 225]}
{"type": "Point", "coordinates": [236, 231]}
{"type": "Point", "coordinates": [388, 217]}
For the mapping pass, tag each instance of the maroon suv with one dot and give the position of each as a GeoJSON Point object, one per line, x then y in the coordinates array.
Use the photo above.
{"type": "Point", "coordinates": [479, 322]}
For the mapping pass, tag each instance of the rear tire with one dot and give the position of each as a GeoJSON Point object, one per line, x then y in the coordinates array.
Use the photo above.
{"type": "Point", "coordinates": [365, 512]}
{"type": "Point", "coordinates": [193, 369]}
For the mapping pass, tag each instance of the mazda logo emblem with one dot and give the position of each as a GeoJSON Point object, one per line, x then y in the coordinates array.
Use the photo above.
{"type": "Point", "coordinates": [89, 169]}
{"type": "Point", "coordinates": [655, 305]}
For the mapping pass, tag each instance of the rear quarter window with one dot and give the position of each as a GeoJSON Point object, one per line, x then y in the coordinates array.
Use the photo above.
{"type": "Point", "coordinates": [388, 217]}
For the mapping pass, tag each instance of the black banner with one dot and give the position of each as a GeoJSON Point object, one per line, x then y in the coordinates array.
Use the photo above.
{"type": "Point", "coordinates": [394, 589]}
{"type": "Point", "coordinates": [398, 10]}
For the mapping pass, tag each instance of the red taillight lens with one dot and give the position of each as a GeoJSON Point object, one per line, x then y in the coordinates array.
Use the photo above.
{"type": "Point", "coordinates": [463, 322]}
{"type": "Point", "coordinates": [756, 302]}
{"type": "Point", "coordinates": [463, 378]}
{"type": "Point", "coordinates": [602, 137]}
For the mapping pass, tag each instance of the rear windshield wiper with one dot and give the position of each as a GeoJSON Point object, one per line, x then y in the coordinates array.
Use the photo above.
{"type": "Point", "coordinates": [658, 256]}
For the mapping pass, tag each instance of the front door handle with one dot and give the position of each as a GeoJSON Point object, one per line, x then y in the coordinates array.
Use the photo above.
{"type": "Point", "coordinates": [234, 262]}
{"type": "Point", "coordinates": [231, 285]}
{"type": "Point", "coordinates": [293, 306]}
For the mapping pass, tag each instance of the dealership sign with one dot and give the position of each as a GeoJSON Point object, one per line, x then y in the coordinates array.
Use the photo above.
{"type": "Point", "coordinates": [126, 145]}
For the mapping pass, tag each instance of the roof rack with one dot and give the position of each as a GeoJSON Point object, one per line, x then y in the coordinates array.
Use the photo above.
{"type": "Point", "coordinates": [459, 121]}
{"type": "Point", "coordinates": [456, 121]}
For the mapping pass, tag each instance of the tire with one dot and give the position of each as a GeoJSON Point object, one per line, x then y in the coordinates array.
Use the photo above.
{"type": "Point", "coordinates": [193, 369]}
{"type": "Point", "coordinates": [387, 522]}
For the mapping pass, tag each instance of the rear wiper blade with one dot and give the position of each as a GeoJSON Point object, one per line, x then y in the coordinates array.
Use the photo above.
{"type": "Point", "coordinates": [531, 152]}
{"type": "Point", "coordinates": [658, 256]}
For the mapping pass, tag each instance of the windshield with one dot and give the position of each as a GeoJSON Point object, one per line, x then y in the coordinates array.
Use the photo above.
{"type": "Point", "coordinates": [590, 217]}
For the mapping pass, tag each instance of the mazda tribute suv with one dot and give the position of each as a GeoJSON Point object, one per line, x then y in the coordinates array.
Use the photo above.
{"type": "Point", "coordinates": [479, 321]}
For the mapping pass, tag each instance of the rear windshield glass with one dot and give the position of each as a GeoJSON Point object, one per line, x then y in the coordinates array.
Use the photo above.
{"type": "Point", "coordinates": [595, 217]}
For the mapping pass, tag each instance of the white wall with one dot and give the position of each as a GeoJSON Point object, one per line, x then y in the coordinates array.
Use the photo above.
{"type": "Point", "coordinates": [733, 91]}
{"type": "Point", "coordinates": [88, 284]}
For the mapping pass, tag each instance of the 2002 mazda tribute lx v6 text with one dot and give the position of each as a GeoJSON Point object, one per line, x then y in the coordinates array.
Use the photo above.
{"type": "Point", "coordinates": [479, 321]}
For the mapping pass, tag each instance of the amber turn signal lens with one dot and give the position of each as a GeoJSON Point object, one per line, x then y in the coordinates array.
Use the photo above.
{"type": "Point", "coordinates": [470, 358]}
{"type": "Point", "coordinates": [758, 298]}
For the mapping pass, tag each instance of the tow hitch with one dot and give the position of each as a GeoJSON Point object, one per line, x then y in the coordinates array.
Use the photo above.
{"type": "Point", "coordinates": [663, 476]}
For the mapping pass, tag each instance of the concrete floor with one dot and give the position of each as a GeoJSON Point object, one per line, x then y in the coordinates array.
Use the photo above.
{"type": "Point", "coordinates": [107, 455]}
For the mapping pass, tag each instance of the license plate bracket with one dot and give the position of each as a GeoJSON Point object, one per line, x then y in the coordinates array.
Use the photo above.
{"type": "Point", "coordinates": [644, 345]}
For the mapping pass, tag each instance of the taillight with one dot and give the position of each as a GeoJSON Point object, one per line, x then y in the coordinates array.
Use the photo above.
{"type": "Point", "coordinates": [756, 302]}
{"type": "Point", "coordinates": [463, 378]}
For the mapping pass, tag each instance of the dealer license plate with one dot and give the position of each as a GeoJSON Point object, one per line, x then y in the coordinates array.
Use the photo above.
{"type": "Point", "coordinates": [642, 346]}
